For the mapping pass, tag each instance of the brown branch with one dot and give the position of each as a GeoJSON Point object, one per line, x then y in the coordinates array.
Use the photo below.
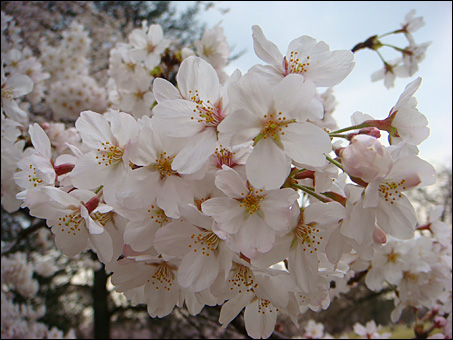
{"type": "Point", "coordinates": [23, 234]}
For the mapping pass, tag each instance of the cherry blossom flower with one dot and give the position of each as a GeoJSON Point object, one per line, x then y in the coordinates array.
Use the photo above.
{"type": "Point", "coordinates": [148, 44]}
{"type": "Point", "coordinates": [273, 119]}
{"type": "Point", "coordinates": [137, 98]}
{"type": "Point", "coordinates": [78, 219]}
{"type": "Point", "coordinates": [252, 216]}
{"type": "Point", "coordinates": [195, 112]}
{"type": "Point", "coordinates": [305, 56]}
{"type": "Point", "coordinates": [262, 292]}
{"type": "Point", "coordinates": [36, 169]}
{"type": "Point", "coordinates": [108, 138]}
{"type": "Point", "coordinates": [151, 280]}
{"type": "Point", "coordinates": [370, 331]}
{"type": "Point", "coordinates": [394, 212]}
{"type": "Point", "coordinates": [13, 87]}
{"type": "Point", "coordinates": [405, 122]}
{"type": "Point", "coordinates": [154, 178]}
{"type": "Point", "coordinates": [194, 239]}
{"type": "Point", "coordinates": [214, 48]}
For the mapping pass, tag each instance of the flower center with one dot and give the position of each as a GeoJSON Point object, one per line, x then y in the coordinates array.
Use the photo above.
{"type": "Point", "coordinates": [251, 201]}
{"type": "Point", "coordinates": [157, 215]}
{"type": "Point", "coordinates": [71, 223]}
{"type": "Point", "coordinates": [109, 154]}
{"type": "Point", "coordinates": [308, 237]}
{"type": "Point", "coordinates": [273, 125]}
{"type": "Point", "coordinates": [242, 280]}
{"type": "Point", "coordinates": [163, 277]}
{"type": "Point", "coordinates": [205, 112]}
{"type": "Point", "coordinates": [33, 178]}
{"type": "Point", "coordinates": [206, 242]}
{"type": "Point", "coordinates": [7, 93]}
{"type": "Point", "coordinates": [103, 218]}
{"type": "Point", "coordinates": [224, 156]}
{"type": "Point", "coordinates": [264, 306]}
{"type": "Point", "coordinates": [390, 191]}
{"type": "Point", "coordinates": [295, 65]}
{"type": "Point", "coordinates": [163, 165]}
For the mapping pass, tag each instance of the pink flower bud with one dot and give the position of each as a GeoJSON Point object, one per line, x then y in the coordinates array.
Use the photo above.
{"type": "Point", "coordinates": [370, 131]}
{"type": "Point", "coordinates": [366, 158]}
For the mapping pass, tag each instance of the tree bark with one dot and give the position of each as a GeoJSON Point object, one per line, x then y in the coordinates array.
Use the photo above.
{"type": "Point", "coordinates": [100, 305]}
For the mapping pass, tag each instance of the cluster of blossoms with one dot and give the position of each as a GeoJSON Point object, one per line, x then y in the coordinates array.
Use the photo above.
{"type": "Point", "coordinates": [20, 320]}
{"type": "Point", "coordinates": [235, 190]}
{"type": "Point", "coordinates": [406, 65]}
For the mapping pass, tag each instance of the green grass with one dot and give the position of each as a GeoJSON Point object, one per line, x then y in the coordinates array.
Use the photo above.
{"type": "Point", "coordinates": [398, 332]}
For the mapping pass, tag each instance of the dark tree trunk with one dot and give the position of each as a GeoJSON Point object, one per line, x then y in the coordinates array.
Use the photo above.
{"type": "Point", "coordinates": [100, 305]}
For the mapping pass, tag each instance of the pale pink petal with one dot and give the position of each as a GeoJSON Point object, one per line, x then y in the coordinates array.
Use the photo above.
{"type": "Point", "coordinates": [303, 266]}
{"type": "Point", "coordinates": [87, 173]}
{"type": "Point", "coordinates": [234, 306]}
{"type": "Point", "coordinates": [252, 93]}
{"type": "Point", "coordinates": [71, 244]}
{"type": "Point", "coordinates": [255, 236]}
{"type": "Point", "coordinates": [20, 84]}
{"type": "Point", "coordinates": [173, 117]}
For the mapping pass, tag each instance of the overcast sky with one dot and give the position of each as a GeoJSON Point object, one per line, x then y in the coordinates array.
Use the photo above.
{"type": "Point", "coordinates": [343, 24]}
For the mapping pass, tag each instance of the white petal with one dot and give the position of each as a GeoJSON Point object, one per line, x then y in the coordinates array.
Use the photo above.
{"type": "Point", "coordinates": [397, 219]}
{"type": "Point", "coordinates": [234, 306]}
{"type": "Point", "coordinates": [124, 126]}
{"type": "Point", "coordinates": [93, 128]}
{"type": "Point", "coordinates": [306, 144]}
{"type": "Point", "coordinates": [265, 49]}
{"type": "Point", "coordinates": [267, 166]}
{"type": "Point", "coordinates": [164, 90]}
{"type": "Point", "coordinates": [198, 271]}
{"type": "Point", "coordinates": [231, 183]}
{"type": "Point", "coordinates": [173, 117]}
{"type": "Point", "coordinates": [40, 140]}
{"type": "Point", "coordinates": [103, 245]}
{"type": "Point", "coordinates": [87, 173]}
{"type": "Point", "coordinates": [174, 238]}
{"type": "Point", "coordinates": [189, 76]}
{"type": "Point", "coordinates": [195, 155]}
{"type": "Point", "coordinates": [226, 212]}
{"type": "Point", "coordinates": [252, 93]}
{"type": "Point", "coordinates": [276, 208]}
{"type": "Point", "coordinates": [293, 96]}
{"type": "Point", "coordinates": [260, 324]}
{"type": "Point", "coordinates": [243, 125]}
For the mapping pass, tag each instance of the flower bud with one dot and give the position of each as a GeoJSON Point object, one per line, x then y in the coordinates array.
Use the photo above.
{"type": "Point", "coordinates": [366, 158]}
